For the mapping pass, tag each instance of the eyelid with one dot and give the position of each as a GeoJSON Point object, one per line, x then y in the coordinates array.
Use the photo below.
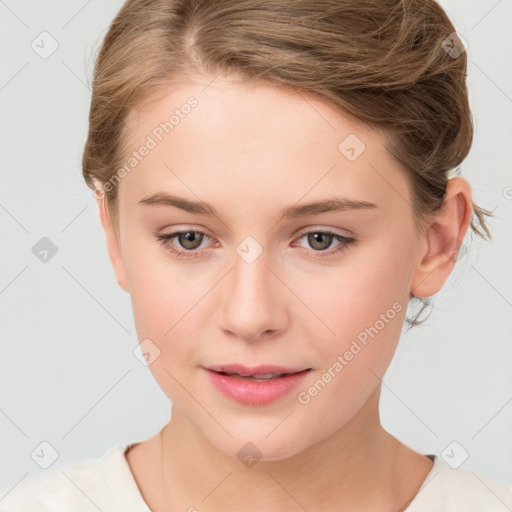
{"type": "Point", "coordinates": [176, 230]}
{"type": "Point", "coordinates": [315, 229]}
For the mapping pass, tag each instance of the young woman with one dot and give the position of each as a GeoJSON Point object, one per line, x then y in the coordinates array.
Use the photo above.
{"type": "Point", "coordinates": [273, 180]}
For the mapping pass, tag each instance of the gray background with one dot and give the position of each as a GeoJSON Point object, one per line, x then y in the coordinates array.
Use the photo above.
{"type": "Point", "coordinates": [69, 377]}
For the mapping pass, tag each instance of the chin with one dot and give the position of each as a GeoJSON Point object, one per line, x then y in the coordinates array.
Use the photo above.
{"type": "Point", "coordinates": [259, 448]}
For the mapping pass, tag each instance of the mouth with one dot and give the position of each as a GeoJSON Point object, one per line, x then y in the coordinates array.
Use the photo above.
{"type": "Point", "coordinates": [256, 386]}
{"type": "Point", "coordinates": [258, 374]}
{"type": "Point", "coordinates": [264, 377]}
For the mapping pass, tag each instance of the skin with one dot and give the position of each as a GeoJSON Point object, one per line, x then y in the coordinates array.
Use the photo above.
{"type": "Point", "coordinates": [250, 150]}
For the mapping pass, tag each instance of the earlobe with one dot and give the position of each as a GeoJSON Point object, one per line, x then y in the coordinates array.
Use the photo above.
{"type": "Point", "coordinates": [443, 239]}
{"type": "Point", "coordinates": [113, 244]}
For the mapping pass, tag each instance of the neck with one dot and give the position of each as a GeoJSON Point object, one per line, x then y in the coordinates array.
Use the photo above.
{"type": "Point", "coordinates": [359, 467]}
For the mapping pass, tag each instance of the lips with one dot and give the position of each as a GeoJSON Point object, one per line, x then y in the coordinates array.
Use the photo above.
{"type": "Point", "coordinates": [258, 385]}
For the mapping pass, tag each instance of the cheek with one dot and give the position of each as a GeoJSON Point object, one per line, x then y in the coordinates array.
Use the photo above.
{"type": "Point", "coordinates": [164, 304]}
{"type": "Point", "coordinates": [365, 308]}
{"type": "Point", "coordinates": [161, 292]}
{"type": "Point", "coordinates": [362, 306]}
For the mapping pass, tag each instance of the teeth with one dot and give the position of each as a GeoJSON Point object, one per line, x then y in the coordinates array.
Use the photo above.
{"type": "Point", "coordinates": [261, 375]}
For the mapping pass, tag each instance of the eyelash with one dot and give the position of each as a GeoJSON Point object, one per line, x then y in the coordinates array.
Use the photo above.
{"type": "Point", "coordinates": [167, 238]}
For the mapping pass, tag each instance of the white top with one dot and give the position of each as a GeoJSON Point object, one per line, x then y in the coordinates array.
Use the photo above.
{"type": "Point", "coordinates": [107, 484]}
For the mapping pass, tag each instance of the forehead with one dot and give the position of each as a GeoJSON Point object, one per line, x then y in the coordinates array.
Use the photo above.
{"type": "Point", "coordinates": [254, 138]}
{"type": "Point", "coordinates": [232, 111]}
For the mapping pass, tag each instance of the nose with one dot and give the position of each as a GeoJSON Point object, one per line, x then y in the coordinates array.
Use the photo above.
{"type": "Point", "coordinates": [255, 300]}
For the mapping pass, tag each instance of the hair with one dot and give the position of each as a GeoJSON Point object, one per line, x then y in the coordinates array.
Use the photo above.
{"type": "Point", "coordinates": [382, 62]}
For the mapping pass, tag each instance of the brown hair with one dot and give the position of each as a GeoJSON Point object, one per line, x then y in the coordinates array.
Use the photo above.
{"type": "Point", "coordinates": [387, 63]}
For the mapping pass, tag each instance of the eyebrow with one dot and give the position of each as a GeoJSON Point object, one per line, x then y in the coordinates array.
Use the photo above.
{"type": "Point", "coordinates": [334, 204]}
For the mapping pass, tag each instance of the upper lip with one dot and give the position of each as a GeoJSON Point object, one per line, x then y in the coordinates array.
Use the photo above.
{"type": "Point", "coordinates": [256, 370]}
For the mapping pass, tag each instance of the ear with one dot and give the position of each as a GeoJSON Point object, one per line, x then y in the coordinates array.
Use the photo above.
{"type": "Point", "coordinates": [113, 245]}
{"type": "Point", "coordinates": [442, 240]}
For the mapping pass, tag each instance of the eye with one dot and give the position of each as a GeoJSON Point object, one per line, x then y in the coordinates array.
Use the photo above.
{"type": "Point", "coordinates": [190, 242]}
{"type": "Point", "coordinates": [322, 239]}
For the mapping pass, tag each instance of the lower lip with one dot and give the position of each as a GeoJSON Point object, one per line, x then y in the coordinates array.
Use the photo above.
{"type": "Point", "coordinates": [250, 392]}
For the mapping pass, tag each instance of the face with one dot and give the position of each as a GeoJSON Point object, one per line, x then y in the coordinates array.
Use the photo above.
{"type": "Point", "coordinates": [320, 289]}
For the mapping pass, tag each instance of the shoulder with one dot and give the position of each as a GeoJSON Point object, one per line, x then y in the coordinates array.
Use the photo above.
{"type": "Point", "coordinates": [452, 490]}
{"type": "Point", "coordinates": [82, 486]}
